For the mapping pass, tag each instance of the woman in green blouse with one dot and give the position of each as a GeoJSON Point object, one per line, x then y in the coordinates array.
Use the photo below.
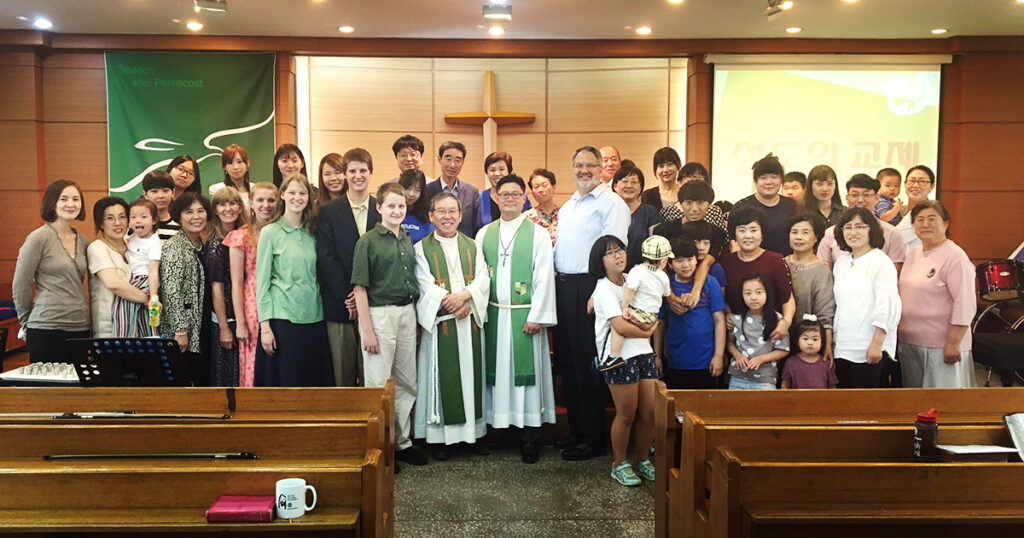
{"type": "Point", "coordinates": [293, 351]}
{"type": "Point", "coordinates": [182, 283]}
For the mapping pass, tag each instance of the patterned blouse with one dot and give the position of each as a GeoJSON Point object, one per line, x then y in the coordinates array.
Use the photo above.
{"type": "Point", "coordinates": [549, 222]}
{"type": "Point", "coordinates": [182, 287]}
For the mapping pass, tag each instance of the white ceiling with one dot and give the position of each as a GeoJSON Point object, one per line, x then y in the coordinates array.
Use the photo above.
{"type": "Point", "coordinates": [532, 19]}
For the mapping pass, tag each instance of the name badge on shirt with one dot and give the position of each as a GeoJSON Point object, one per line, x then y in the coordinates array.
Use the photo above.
{"type": "Point", "coordinates": [520, 288]}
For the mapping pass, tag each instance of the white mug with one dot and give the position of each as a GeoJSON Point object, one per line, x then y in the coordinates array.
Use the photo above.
{"type": "Point", "coordinates": [291, 498]}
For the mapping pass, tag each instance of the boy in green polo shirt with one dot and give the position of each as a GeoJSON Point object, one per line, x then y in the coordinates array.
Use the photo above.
{"type": "Point", "coordinates": [385, 286]}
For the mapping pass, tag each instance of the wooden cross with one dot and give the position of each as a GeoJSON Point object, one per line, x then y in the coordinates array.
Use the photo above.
{"type": "Point", "coordinates": [490, 118]}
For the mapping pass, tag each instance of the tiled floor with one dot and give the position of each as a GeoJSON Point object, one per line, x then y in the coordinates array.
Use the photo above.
{"type": "Point", "coordinates": [498, 495]}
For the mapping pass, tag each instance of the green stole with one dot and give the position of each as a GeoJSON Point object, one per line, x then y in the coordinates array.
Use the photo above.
{"type": "Point", "coordinates": [520, 282]}
{"type": "Point", "coordinates": [449, 371]}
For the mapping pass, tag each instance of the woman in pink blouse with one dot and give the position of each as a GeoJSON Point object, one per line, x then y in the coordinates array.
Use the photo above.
{"type": "Point", "coordinates": [242, 242]}
{"type": "Point", "coordinates": [937, 290]}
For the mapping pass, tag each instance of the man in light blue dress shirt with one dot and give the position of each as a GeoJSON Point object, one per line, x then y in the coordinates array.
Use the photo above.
{"type": "Point", "coordinates": [592, 212]}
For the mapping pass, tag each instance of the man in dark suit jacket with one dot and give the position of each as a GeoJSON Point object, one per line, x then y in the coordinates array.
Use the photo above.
{"type": "Point", "coordinates": [451, 156]}
{"type": "Point", "coordinates": [336, 236]}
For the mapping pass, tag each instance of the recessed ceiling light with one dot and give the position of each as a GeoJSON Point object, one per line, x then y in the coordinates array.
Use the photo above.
{"type": "Point", "coordinates": [496, 30]}
{"type": "Point", "coordinates": [22, 18]}
{"type": "Point", "coordinates": [675, 1]}
{"type": "Point", "coordinates": [643, 30]}
{"type": "Point", "coordinates": [195, 26]}
{"type": "Point", "coordinates": [42, 24]}
{"type": "Point", "coordinates": [346, 29]}
{"type": "Point", "coordinates": [849, 1]}
{"type": "Point", "coordinates": [786, 5]}
{"type": "Point", "coordinates": [794, 29]}
{"type": "Point", "coordinates": [938, 31]}
{"type": "Point", "coordinates": [176, 21]}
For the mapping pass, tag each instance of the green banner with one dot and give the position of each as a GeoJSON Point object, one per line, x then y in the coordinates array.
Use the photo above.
{"type": "Point", "coordinates": [161, 105]}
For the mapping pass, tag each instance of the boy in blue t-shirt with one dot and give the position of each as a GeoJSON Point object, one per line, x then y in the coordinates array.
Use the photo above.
{"type": "Point", "coordinates": [706, 238]}
{"type": "Point", "coordinates": [690, 347]}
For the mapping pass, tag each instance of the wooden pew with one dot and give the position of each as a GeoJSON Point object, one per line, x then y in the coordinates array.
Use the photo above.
{"type": "Point", "coordinates": [688, 514]}
{"type": "Point", "coordinates": [344, 433]}
{"type": "Point", "coordinates": [768, 498]}
{"type": "Point", "coordinates": [838, 407]}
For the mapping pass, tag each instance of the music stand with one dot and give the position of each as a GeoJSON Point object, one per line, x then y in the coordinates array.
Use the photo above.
{"type": "Point", "coordinates": [127, 362]}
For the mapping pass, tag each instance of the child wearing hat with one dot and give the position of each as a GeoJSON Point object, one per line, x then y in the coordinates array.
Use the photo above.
{"type": "Point", "coordinates": [646, 287]}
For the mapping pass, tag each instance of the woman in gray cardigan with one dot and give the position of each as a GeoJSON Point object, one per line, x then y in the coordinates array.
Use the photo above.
{"type": "Point", "coordinates": [53, 259]}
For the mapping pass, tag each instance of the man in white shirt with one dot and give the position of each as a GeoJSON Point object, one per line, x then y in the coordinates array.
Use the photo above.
{"type": "Point", "coordinates": [592, 212]}
{"type": "Point", "coordinates": [610, 163]}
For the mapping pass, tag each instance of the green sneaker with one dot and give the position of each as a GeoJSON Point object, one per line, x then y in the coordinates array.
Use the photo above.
{"type": "Point", "coordinates": [646, 470]}
{"type": "Point", "coordinates": [624, 475]}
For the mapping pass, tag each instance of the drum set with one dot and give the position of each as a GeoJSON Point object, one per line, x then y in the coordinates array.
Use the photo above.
{"type": "Point", "coordinates": [1002, 283]}
{"type": "Point", "coordinates": [999, 328]}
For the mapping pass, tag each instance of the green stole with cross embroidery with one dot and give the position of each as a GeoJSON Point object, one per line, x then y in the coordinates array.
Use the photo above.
{"type": "Point", "coordinates": [449, 370]}
{"type": "Point", "coordinates": [520, 282]}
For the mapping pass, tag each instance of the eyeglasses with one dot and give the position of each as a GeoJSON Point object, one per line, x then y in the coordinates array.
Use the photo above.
{"type": "Point", "coordinates": [408, 155]}
{"type": "Point", "coordinates": [857, 227]}
{"type": "Point", "coordinates": [446, 212]}
{"type": "Point", "coordinates": [614, 252]}
{"type": "Point", "coordinates": [185, 171]}
{"type": "Point", "coordinates": [510, 195]}
{"type": "Point", "coordinates": [584, 166]}
{"type": "Point", "coordinates": [921, 182]}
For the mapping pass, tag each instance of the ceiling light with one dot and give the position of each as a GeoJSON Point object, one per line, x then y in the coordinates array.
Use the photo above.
{"type": "Point", "coordinates": [42, 24]}
{"type": "Point", "coordinates": [786, 5]}
{"type": "Point", "coordinates": [643, 30]}
{"type": "Point", "coordinates": [346, 29]}
{"type": "Point", "coordinates": [681, 1]}
{"type": "Point", "coordinates": [195, 26]}
{"type": "Point", "coordinates": [214, 7]}
{"type": "Point", "coordinates": [496, 30]}
{"type": "Point", "coordinates": [497, 11]}
{"type": "Point", "coordinates": [849, 1]}
{"type": "Point", "coordinates": [938, 31]}
{"type": "Point", "coordinates": [794, 29]}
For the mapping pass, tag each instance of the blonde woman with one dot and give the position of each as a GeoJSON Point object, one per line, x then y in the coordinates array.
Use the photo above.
{"type": "Point", "coordinates": [229, 214]}
{"type": "Point", "coordinates": [242, 258]}
{"type": "Point", "coordinates": [294, 351]}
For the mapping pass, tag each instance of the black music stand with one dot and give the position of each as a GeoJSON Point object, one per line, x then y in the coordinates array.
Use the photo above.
{"type": "Point", "coordinates": [127, 362]}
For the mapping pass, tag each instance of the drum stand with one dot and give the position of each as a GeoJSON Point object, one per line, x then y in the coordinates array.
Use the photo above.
{"type": "Point", "coordinates": [1008, 318]}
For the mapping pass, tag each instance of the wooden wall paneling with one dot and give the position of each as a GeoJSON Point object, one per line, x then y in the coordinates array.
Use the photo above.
{"type": "Point", "coordinates": [983, 156]}
{"type": "Point", "coordinates": [463, 91]}
{"type": "Point", "coordinates": [423, 64]}
{"type": "Point", "coordinates": [370, 99]}
{"type": "Point", "coordinates": [7, 276]}
{"type": "Point", "coordinates": [21, 215]}
{"type": "Point", "coordinates": [677, 105]}
{"type": "Point", "coordinates": [18, 152]}
{"type": "Point", "coordinates": [74, 94]}
{"type": "Point", "coordinates": [285, 120]}
{"type": "Point", "coordinates": [638, 146]}
{"type": "Point", "coordinates": [973, 227]}
{"type": "Point", "coordinates": [699, 113]}
{"type": "Point", "coordinates": [490, 64]}
{"type": "Point", "coordinates": [378, 143]}
{"type": "Point", "coordinates": [992, 86]}
{"type": "Point", "coordinates": [677, 141]}
{"type": "Point", "coordinates": [18, 92]}
{"type": "Point", "coordinates": [614, 100]}
{"type": "Point", "coordinates": [77, 151]}
{"type": "Point", "coordinates": [76, 60]}
{"type": "Point", "coordinates": [590, 64]}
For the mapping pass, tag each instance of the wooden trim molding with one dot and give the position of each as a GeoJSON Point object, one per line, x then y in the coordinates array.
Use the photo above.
{"type": "Point", "coordinates": [550, 48]}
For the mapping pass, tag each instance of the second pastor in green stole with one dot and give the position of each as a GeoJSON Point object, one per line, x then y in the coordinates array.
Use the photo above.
{"type": "Point", "coordinates": [518, 260]}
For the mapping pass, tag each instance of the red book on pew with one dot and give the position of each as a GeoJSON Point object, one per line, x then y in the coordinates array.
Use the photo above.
{"type": "Point", "coordinates": [241, 509]}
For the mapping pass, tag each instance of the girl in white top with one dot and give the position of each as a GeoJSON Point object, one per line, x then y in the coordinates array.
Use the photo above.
{"type": "Point", "coordinates": [867, 301]}
{"type": "Point", "coordinates": [143, 254]}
